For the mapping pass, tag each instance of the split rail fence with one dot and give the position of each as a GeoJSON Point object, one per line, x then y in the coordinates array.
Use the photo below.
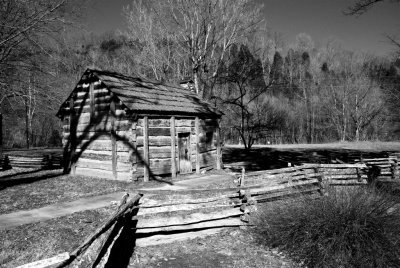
{"type": "Point", "coordinates": [46, 161]}
{"type": "Point", "coordinates": [169, 216]}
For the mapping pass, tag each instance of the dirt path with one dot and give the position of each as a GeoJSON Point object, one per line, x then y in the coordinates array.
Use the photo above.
{"type": "Point", "coordinates": [18, 218]}
{"type": "Point", "coordinates": [195, 182]}
{"type": "Point", "coordinates": [231, 248]}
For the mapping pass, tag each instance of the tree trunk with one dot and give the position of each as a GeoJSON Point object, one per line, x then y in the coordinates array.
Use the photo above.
{"type": "Point", "coordinates": [1, 133]}
{"type": "Point", "coordinates": [357, 134]}
{"type": "Point", "coordinates": [27, 124]}
{"type": "Point", "coordinates": [344, 126]}
{"type": "Point", "coordinates": [197, 82]}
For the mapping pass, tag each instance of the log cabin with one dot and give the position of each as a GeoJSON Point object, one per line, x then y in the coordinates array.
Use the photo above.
{"type": "Point", "coordinates": [126, 128]}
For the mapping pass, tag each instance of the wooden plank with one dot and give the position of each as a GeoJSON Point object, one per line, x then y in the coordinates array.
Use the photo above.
{"type": "Point", "coordinates": [85, 108]}
{"type": "Point", "coordinates": [155, 122]}
{"type": "Point", "coordinates": [155, 131]}
{"type": "Point", "coordinates": [286, 193]}
{"type": "Point", "coordinates": [104, 156]}
{"type": "Point", "coordinates": [333, 166]}
{"type": "Point", "coordinates": [218, 156]}
{"type": "Point", "coordinates": [157, 152]}
{"type": "Point", "coordinates": [267, 189]}
{"type": "Point", "coordinates": [104, 125]}
{"type": "Point", "coordinates": [181, 200]}
{"type": "Point", "coordinates": [156, 140]}
{"type": "Point", "coordinates": [98, 99]}
{"type": "Point", "coordinates": [196, 217]}
{"type": "Point", "coordinates": [22, 158]}
{"type": "Point", "coordinates": [163, 131]}
{"type": "Point", "coordinates": [132, 139]}
{"type": "Point", "coordinates": [338, 171]}
{"type": "Point", "coordinates": [113, 140]}
{"type": "Point", "coordinates": [174, 238]}
{"type": "Point", "coordinates": [229, 222]}
{"type": "Point", "coordinates": [90, 135]}
{"type": "Point", "coordinates": [103, 145]}
{"type": "Point", "coordinates": [98, 251]}
{"type": "Point", "coordinates": [197, 130]}
{"type": "Point", "coordinates": [163, 122]}
{"type": "Point", "coordinates": [185, 207]}
{"type": "Point", "coordinates": [124, 146]}
{"type": "Point", "coordinates": [376, 159]}
{"type": "Point", "coordinates": [146, 148]}
{"type": "Point", "coordinates": [94, 164]}
{"type": "Point", "coordinates": [71, 163]}
{"type": "Point", "coordinates": [95, 145]}
{"type": "Point", "coordinates": [173, 147]}
{"type": "Point", "coordinates": [85, 118]}
{"type": "Point", "coordinates": [47, 263]}
{"type": "Point", "coordinates": [91, 153]}
{"type": "Point", "coordinates": [103, 228]}
{"type": "Point", "coordinates": [102, 164]}
{"type": "Point", "coordinates": [347, 182]}
{"type": "Point", "coordinates": [92, 103]}
{"type": "Point", "coordinates": [267, 175]}
{"type": "Point", "coordinates": [276, 179]}
{"type": "Point", "coordinates": [344, 177]}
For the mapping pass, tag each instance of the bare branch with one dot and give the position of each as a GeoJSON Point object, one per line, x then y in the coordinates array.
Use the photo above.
{"type": "Point", "coordinates": [362, 6]}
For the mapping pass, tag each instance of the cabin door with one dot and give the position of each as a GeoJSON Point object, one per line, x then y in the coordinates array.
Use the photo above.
{"type": "Point", "coordinates": [185, 166]}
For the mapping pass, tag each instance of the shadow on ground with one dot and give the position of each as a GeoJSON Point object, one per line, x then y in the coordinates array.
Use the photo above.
{"type": "Point", "coordinates": [271, 158]}
{"type": "Point", "coordinates": [25, 177]}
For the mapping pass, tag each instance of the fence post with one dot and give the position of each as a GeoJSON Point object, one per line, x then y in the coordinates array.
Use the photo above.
{"type": "Point", "coordinates": [321, 182]}
{"type": "Point", "coordinates": [393, 167]}
{"type": "Point", "coordinates": [242, 177]}
{"type": "Point", "coordinates": [359, 178]}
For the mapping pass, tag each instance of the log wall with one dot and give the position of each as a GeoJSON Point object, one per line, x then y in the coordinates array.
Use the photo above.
{"type": "Point", "coordinates": [159, 131]}
{"type": "Point", "coordinates": [95, 123]}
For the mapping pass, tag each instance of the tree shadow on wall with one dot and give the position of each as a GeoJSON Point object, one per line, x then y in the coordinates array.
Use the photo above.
{"type": "Point", "coordinates": [103, 123]}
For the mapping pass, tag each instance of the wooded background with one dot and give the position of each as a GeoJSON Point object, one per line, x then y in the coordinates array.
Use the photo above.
{"type": "Point", "coordinates": [270, 91]}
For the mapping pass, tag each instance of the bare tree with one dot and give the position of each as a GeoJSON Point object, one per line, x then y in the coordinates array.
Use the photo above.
{"type": "Point", "coordinates": [23, 24]}
{"type": "Point", "coordinates": [366, 104]}
{"type": "Point", "coordinates": [250, 109]}
{"type": "Point", "coordinates": [202, 30]}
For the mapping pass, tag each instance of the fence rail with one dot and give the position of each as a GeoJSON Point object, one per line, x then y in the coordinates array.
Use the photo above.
{"type": "Point", "coordinates": [46, 161]}
{"type": "Point", "coordinates": [194, 213]}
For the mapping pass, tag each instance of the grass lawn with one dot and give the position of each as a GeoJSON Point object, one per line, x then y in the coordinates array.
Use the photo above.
{"type": "Point", "coordinates": [36, 241]}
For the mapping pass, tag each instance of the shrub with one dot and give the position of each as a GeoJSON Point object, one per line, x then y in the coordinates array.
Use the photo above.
{"type": "Point", "coordinates": [348, 228]}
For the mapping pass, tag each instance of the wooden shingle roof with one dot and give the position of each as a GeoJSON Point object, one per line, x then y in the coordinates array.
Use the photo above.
{"type": "Point", "coordinates": [145, 96]}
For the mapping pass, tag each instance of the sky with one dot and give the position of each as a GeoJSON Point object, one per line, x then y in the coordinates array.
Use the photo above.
{"type": "Point", "coordinates": [321, 19]}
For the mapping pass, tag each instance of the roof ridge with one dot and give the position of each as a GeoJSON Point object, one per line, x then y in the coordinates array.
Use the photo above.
{"type": "Point", "coordinates": [141, 79]}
